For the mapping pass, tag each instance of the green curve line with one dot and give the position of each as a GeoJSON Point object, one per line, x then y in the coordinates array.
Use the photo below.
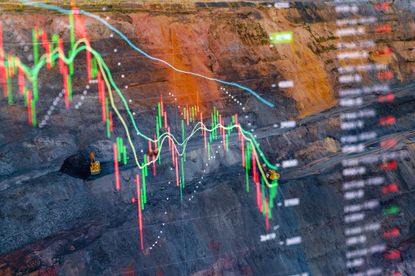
{"type": "Point", "coordinates": [32, 74]}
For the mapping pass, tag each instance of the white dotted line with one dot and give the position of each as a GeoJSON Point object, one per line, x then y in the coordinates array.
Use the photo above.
{"type": "Point", "coordinates": [158, 236]}
{"type": "Point", "coordinates": [57, 100]}
{"type": "Point", "coordinates": [173, 95]}
{"type": "Point", "coordinates": [165, 213]}
{"type": "Point", "coordinates": [161, 231]}
{"type": "Point", "coordinates": [51, 109]}
{"type": "Point", "coordinates": [232, 97]}
{"type": "Point", "coordinates": [250, 125]}
{"type": "Point", "coordinates": [197, 187]}
{"type": "Point", "coordinates": [119, 64]}
{"type": "Point", "coordinates": [84, 93]}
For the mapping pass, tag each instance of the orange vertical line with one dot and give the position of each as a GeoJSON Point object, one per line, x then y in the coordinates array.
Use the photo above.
{"type": "Point", "coordinates": [88, 63]}
{"type": "Point", "coordinates": [165, 119]}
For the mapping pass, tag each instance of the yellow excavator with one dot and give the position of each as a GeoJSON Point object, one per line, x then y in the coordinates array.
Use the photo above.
{"type": "Point", "coordinates": [94, 166]}
{"type": "Point", "coordinates": [271, 174]}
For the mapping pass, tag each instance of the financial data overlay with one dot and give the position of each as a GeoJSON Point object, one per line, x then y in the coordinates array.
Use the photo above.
{"type": "Point", "coordinates": [207, 138]}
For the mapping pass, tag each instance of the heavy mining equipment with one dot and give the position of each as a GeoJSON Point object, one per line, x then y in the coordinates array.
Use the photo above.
{"type": "Point", "coordinates": [271, 174]}
{"type": "Point", "coordinates": [95, 165]}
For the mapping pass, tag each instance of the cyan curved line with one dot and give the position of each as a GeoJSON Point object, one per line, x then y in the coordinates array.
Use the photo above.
{"type": "Point", "coordinates": [115, 30]}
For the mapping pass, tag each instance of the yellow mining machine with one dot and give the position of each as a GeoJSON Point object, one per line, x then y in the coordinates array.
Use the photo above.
{"type": "Point", "coordinates": [94, 166]}
{"type": "Point", "coordinates": [271, 174]}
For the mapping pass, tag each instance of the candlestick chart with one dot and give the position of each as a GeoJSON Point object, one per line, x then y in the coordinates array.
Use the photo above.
{"type": "Point", "coordinates": [97, 70]}
{"type": "Point", "coordinates": [49, 54]}
{"type": "Point", "coordinates": [206, 137]}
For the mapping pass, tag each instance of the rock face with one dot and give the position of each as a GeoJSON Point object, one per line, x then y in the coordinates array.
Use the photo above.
{"type": "Point", "coordinates": [54, 219]}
